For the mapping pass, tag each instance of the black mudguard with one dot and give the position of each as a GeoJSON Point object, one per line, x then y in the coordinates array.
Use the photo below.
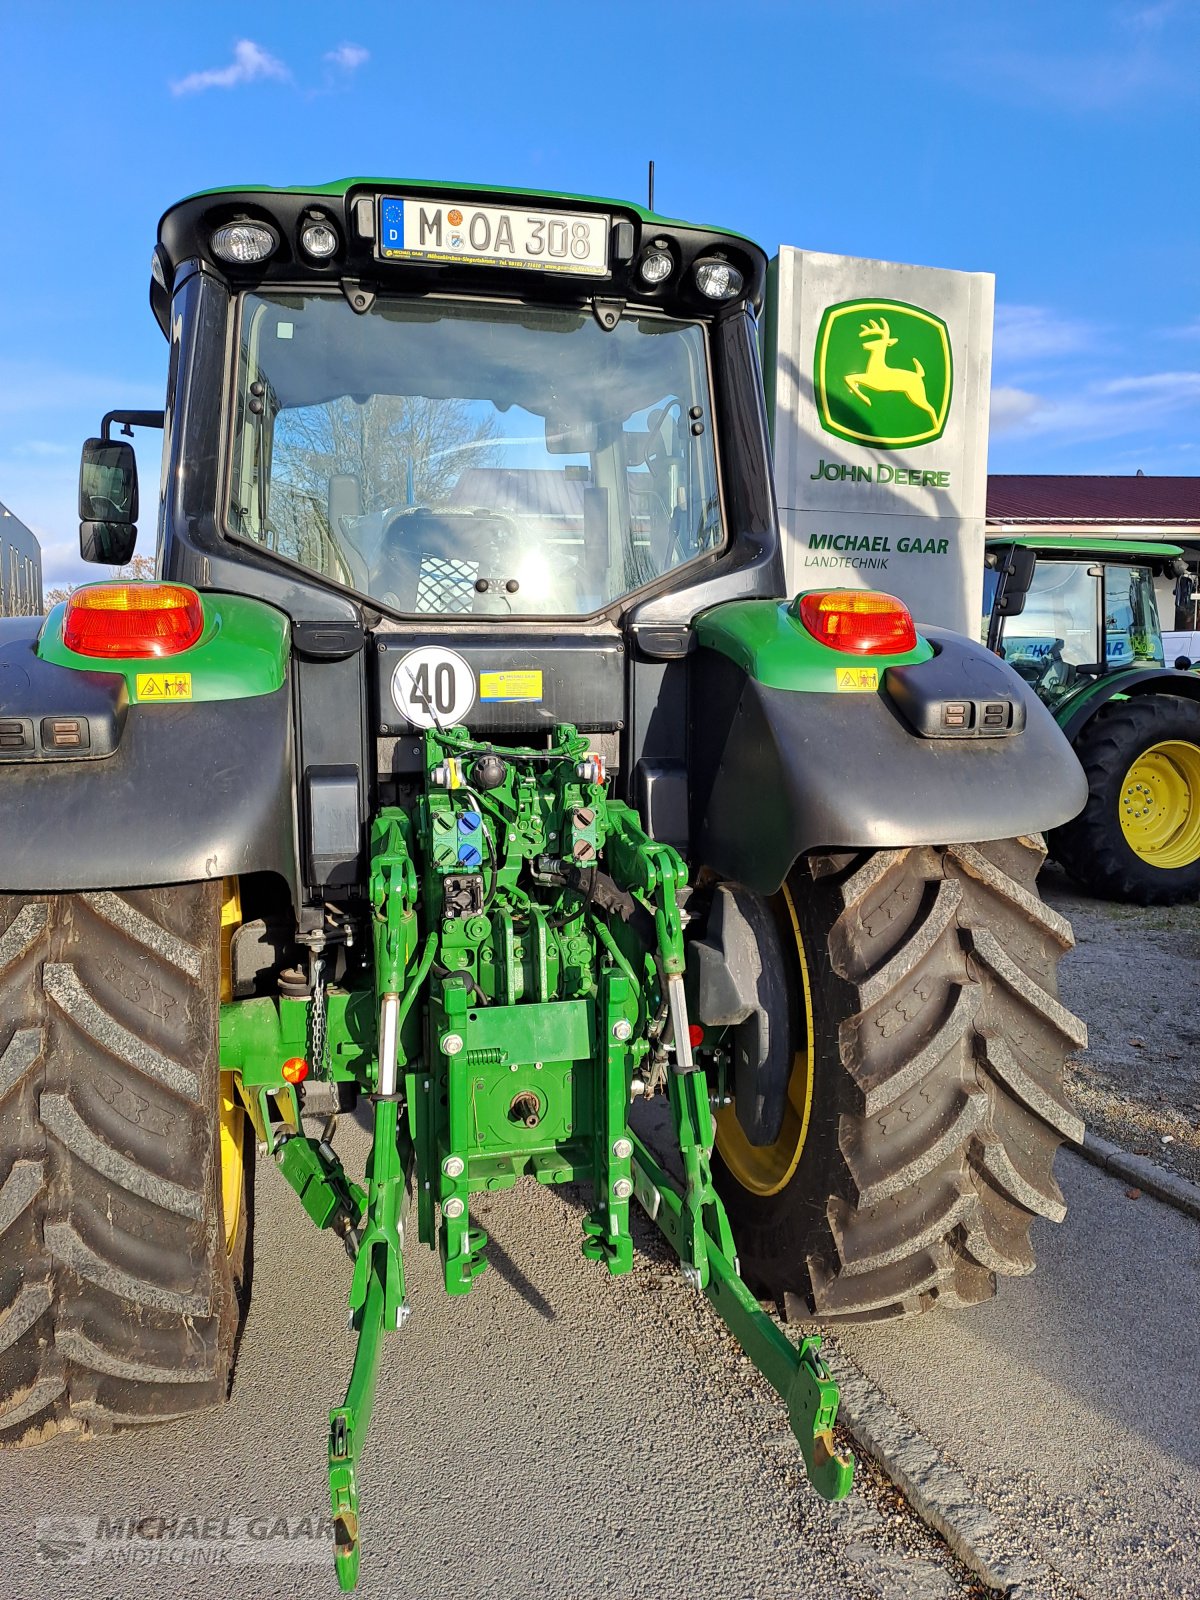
{"type": "Point", "coordinates": [1144, 680]}
{"type": "Point", "coordinates": [190, 791]}
{"type": "Point", "coordinates": [778, 773]}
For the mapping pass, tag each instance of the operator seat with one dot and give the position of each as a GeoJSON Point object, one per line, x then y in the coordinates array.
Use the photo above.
{"type": "Point", "coordinates": [345, 505]}
{"type": "Point", "coordinates": [430, 560]}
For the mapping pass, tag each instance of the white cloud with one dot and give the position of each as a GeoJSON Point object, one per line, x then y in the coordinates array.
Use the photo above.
{"type": "Point", "coordinates": [1112, 409]}
{"type": "Point", "coordinates": [349, 57]}
{"type": "Point", "coordinates": [1011, 407]}
{"type": "Point", "coordinates": [250, 64]}
{"type": "Point", "coordinates": [28, 386]}
{"type": "Point", "coordinates": [1035, 333]}
{"type": "Point", "coordinates": [1148, 18]}
{"type": "Point", "coordinates": [1169, 388]}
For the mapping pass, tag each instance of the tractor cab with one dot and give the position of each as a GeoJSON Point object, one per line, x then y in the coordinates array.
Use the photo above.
{"type": "Point", "coordinates": [1064, 613]}
{"type": "Point", "coordinates": [1078, 620]}
{"type": "Point", "coordinates": [464, 404]}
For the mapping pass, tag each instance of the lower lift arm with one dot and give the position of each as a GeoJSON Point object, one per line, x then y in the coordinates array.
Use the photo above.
{"type": "Point", "coordinates": [690, 1215]}
{"type": "Point", "coordinates": [693, 1218]}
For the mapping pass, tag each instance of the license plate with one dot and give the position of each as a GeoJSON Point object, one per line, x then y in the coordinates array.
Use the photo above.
{"type": "Point", "coordinates": [457, 230]}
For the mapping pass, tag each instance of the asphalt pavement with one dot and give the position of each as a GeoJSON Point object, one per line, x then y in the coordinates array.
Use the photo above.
{"type": "Point", "coordinates": [557, 1433]}
{"type": "Point", "coordinates": [1071, 1403]}
{"type": "Point", "coordinates": [565, 1435]}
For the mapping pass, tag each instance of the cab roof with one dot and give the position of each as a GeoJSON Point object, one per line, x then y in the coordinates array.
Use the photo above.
{"type": "Point", "coordinates": [339, 188]}
{"type": "Point", "coordinates": [361, 267]}
{"type": "Point", "coordinates": [1065, 545]}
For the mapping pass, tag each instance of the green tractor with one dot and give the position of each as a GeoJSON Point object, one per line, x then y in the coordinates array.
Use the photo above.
{"type": "Point", "coordinates": [1078, 620]}
{"type": "Point", "coordinates": [466, 756]}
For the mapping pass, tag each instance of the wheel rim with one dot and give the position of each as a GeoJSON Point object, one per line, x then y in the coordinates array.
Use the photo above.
{"type": "Point", "coordinates": [233, 1114]}
{"type": "Point", "coordinates": [766, 1169]}
{"type": "Point", "coordinates": [233, 1159]}
{"type": "Point", "coordinates": [1160, 804]}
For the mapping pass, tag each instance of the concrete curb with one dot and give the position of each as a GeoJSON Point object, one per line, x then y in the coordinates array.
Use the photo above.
{"type": "Point", "coordinates": [937, 1491]}
{"type": "Point", "coordinates": [1147, 1175]}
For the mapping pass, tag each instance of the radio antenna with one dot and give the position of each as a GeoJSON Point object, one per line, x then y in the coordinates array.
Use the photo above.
{"type": "Point", "coordinates": [650, 188]}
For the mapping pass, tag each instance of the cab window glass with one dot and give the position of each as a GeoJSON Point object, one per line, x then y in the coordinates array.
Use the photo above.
{"type": "Point", "coordinates": [1131, 627]}
{"type": "Point", "coordinates": [1060, 622]}
{"type": "Point", "coordinates": [461, 458]}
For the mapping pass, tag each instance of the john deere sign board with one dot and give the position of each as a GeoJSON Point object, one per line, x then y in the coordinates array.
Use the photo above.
{"type": "Point", "coordinates": [878, 375]}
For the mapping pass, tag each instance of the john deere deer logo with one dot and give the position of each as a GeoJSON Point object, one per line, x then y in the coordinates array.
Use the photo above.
{"type": "Point", "coordinates": [895, 400]}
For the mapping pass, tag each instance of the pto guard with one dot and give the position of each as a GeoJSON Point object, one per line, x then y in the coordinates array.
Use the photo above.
{"type": "Point", "coordinates": [808, 750]}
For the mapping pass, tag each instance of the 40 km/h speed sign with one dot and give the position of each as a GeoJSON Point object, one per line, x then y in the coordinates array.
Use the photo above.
{"type": "Point", "coordinates": [433, 688]}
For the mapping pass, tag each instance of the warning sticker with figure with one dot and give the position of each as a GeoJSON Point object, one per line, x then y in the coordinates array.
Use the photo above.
{"type": "Point", "coordinates": [164, 686]}
{"type": "Point", "coordinates": [857, 679]}
{"type": "Point", "coordinates": [516, 684]}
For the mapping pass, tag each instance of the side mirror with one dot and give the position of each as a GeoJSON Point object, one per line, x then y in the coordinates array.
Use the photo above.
{"type": "Point", "coordinates": [1019, 575]}
{"type": "Point", "coordinates": [108, 501]}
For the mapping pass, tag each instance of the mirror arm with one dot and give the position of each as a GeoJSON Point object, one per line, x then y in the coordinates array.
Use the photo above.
{"type": "Point", "coordinates": [130, 420]}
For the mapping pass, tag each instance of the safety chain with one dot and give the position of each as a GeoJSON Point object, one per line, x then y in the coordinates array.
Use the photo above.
{"type": "Point", "coordinates": [316, 1015]}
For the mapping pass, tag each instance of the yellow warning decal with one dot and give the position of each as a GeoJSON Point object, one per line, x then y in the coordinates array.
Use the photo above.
{"type": "Point", "coordinates": [164, 686]}
{"type": "Point", "coordinates": [514, 685]}
{"type": "Point", "coordinates": [857, 680]}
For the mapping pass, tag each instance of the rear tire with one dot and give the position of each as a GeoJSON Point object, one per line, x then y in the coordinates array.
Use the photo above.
{"type": "Point", "coordinates": [936, 1101]}
{"type": "Point", "coordinates": [119, 1291]}
{"type": "Point", "coordinates": [1158, 796]}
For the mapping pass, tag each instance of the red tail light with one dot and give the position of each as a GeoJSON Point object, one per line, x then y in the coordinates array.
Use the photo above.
{"type": "Point", "coordinates": [132, 619]}
{"type": "Point", "coordinates": [859, 621]}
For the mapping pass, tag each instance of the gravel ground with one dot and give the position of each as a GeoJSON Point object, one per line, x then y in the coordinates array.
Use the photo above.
{"type": "Point", "coordinates": [1134, 978]}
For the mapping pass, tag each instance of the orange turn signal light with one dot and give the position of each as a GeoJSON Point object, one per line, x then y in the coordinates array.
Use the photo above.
{"type": "Point", "coordinates": [120, 620]}
{"type": "Point", "coordinates": [860, 621]}
{"type": "Point", "coordinates": [295, 1070]}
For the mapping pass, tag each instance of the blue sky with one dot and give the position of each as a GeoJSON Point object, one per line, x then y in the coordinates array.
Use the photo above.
{"type": "Point", "coordinates": [1053, 143]}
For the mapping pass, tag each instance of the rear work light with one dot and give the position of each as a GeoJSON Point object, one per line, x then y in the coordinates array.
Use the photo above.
{"type": "Point", "coordinates": [117, 620]}
{"type": "Point", "coordinates": [858, 620]}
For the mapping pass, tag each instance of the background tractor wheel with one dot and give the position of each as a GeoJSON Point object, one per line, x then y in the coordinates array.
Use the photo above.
{"type": "Point", "coordinates": [119, 1284]}
{"type": "Point", "coordinates": [926, 1100]}
{"type": "Point", "coordinates": [1138, 837]}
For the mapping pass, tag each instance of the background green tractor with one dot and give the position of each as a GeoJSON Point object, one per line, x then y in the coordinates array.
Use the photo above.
{"type": "Point", "coordinates": [467, 758]}
{"type": "Point", "coordinates": [1078, 620]}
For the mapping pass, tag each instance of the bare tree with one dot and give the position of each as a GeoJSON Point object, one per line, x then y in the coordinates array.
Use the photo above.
{"type": "Point", "coordinates": [138, 569]}
{"type": "Point", "coordinates": [396, 446]}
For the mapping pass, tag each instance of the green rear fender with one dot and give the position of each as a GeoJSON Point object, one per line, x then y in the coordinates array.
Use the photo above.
{"type": "Point", "coordinates": [797, 748]}
{"type": "Point", "coordinates": [182, 767]}
{"type": "Point", "coordinates": [242, 652]}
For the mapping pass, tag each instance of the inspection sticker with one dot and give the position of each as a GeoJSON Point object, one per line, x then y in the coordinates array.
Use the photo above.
{"type": "Point", "coordinates": [164, 686]}
{"type": "Point", "coordinates": [857, 680]}
{"type": "Point", "coordinates": [512, 685]}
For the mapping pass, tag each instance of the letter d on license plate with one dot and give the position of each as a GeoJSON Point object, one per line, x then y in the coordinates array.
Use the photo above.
{"type": "Point", "coordinates": [493, 236]}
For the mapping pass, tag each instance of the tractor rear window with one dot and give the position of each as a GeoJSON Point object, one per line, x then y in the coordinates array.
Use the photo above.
{"type": "Point", "coordinates": [448, 458]}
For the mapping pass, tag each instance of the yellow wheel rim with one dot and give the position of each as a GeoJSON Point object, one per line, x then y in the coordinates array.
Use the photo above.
{"type": "Point", "coordinates": [1160, 804]}
{"type": "Point", "coordinates": [766, 1169]}
{"type": "Point", "coordinates": [233, 1115]}
{"type": "Point", "coordinates": [233, 1161]}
